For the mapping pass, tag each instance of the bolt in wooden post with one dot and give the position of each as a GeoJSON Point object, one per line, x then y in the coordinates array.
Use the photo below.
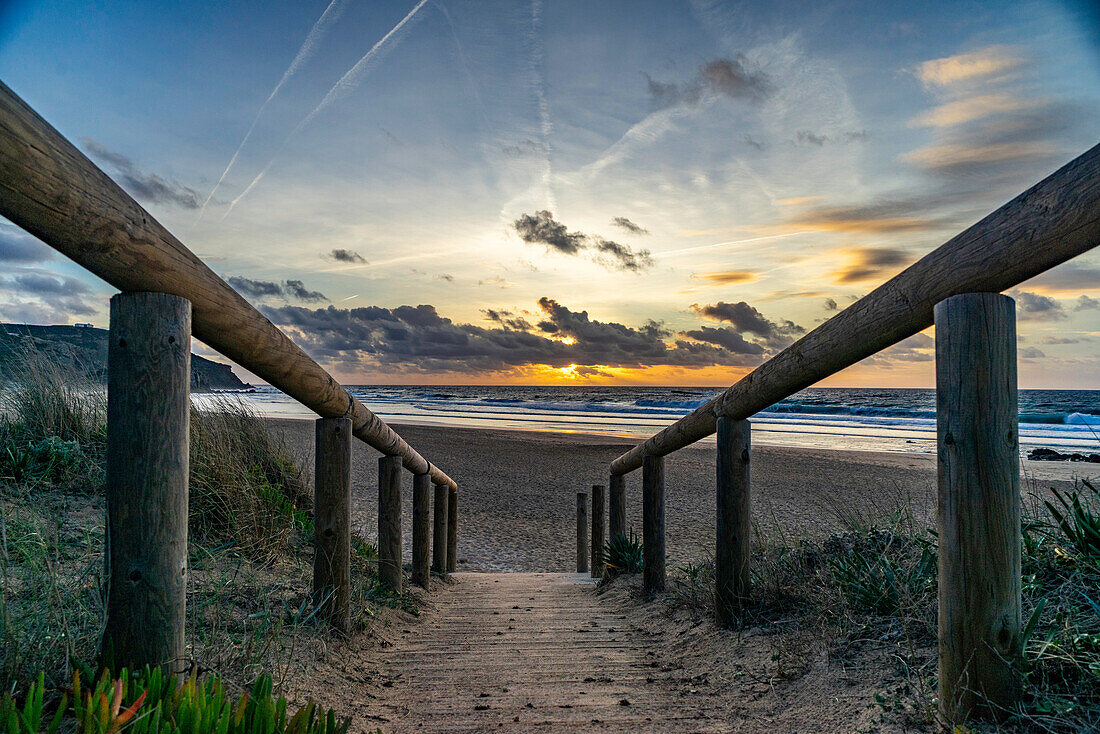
{"type": "Point", "coordinates": [734, 522]}
{"type": "Point", "coordinates": [582, 532]}
{"type": "Point", "coordinates": [452, 529]}
{"type": "Point", "coordinates": [389, 521]}
{"type": "Point", "coordinates": [598, 520]}
{"type": "Point", "coordinates": [617, 519]}
{"type": "Point", "coordinates": [332, 522]}
{"type": "Point", "coordinates": [422, 528]}
{"type": "Point", "coordinates": [979, 506]}
{"type": "Point", "coordinates": [653, 524]}
{"type": "Point", "coordinates": [148, 404]}
{"type": "Point", "coordinates": [439, 529]}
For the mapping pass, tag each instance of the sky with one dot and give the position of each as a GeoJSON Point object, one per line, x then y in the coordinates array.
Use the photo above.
{"type": "Point", "coordinates": [529, 192]}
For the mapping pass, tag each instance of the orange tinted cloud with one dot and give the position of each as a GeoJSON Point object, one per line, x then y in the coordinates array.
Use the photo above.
{"type": "Point", "coordinates": [727, 277]}
{"type": "Point", "coordinates": [870, 263]}
{"type": "Point", "coordinates": [966, 110]}
{"type": "Point", "coordinates": [966, 67]}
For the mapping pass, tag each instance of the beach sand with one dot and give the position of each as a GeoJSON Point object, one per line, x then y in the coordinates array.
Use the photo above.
{"type": "Point", "coordinates": [517, 490]}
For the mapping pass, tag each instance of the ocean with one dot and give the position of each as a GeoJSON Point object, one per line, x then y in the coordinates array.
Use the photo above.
{"type": "Point", "coordinates": [902, 420]}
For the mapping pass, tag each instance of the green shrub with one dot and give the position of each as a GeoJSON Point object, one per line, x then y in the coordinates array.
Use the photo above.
{"type": "Point", "coordinates": [1078, 519]}
{"type": "Point", "coordinates": [881, 579]}
{"type": "Point", "coordinates": [622, 554]}
{"type": "Point", "coordinates": [151, 702]}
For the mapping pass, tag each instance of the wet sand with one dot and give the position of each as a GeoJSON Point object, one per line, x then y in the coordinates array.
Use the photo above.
{"type": "Point", "coordinates": [517, 490]}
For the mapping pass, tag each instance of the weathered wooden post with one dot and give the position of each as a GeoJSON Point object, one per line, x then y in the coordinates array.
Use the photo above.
{"type": "Point", "coordinates": [389, 521]}
{"type": "Point", "coordinates": [452, 529]}
{"type": "Point", "coordinates": [439, 529]}
{"type": "Point", "coordinates": [979, 505]}
{"type": "Point", "coordinates": [598, 519]}
{"type": "Point", "coordinates": [582, 532]}
{"type": "Point", "coordinates": [653, 524]}
{"type": "Point", "coordinates": [332, 522]}
{"type": "Point", "coordinates": [148, 404]}
{"type": "Point", "coordinates": [617, 519]}
{"type": "Point", "coordinates": [422, 521]}
{"type": "Point", "coordinates": [734, 522]}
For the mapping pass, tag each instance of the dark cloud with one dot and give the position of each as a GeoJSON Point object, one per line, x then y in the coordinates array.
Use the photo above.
{"type": "Point", "coordinates": [16, 246]}
{"type": "Point", "coordinates": [729, 77]}
{"type": "Point", "coordinates": [55, 298]}
{"type": "Point", "coordinates": [726, 338]}
{"type": "Point", "coordinates": [347, 256]}
{"type": "Point", "coordinates": [745, 318]}
{"type": "Point", "coordinates": [1060, 340]}
{"type": "Point", "coordinates": [751, 141]}
{"type": "Point", "coordinates": [522, 149]}
{"type": "Point", "coordinates": [727, 277]}
{"type": "Point", "coordinates": [445, 276]}
{"type": "Point", "coordinates": [870, 263]}
{"type": "Point", "coordinates": [1068, 277]}
{"type": "Point", "coordinates": [830, 304]}
{"type": "Point", "coordinates": [421, 339]}
{"type": "Point", "coordinates": [1036, 307]}
{"type": "Point", "coordinates": [629, 226]}
{"type": "Point", "coordinates": [298, 290]}
{"type": "Point", "coordinates": [806, 137]}
{"type": "Point", "coordinates": [43, 284]}
{"type": "Point", "coordinates": [1031, 353]}
{"type": "Point", "coordinates": [141, 185]}
{"type": "Point", "coordinates": [809, 137]}
{"type": "Point", "coordinates": [542, 229]}
{"type": "Point", "coordinates": [917, 348]}
{"type": "Point", "coordinates": [1084, 303]}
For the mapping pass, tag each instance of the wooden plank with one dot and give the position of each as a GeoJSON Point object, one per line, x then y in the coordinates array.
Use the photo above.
{"type": "Point", "coordinates": [422, 522]}
{"type": "Point", "coordinates": [582, 532]}
{"type": "Point", "coordinates": [617, 519]}
{"type": "Point", "coordinates": [439, 529]}
{"type": "Point", "coordinates": [732, 552]}
{"type": "Point", "coordinates": [332, 522]}
{"type": "Point", "coordinates": [389, 522]}
{"type": "Point", "coordinates": [452, 529]}
{"type": "Point", "coordinates": [1053, 221]}
{"type": "Point", "coordinates": [653, 524]}
{"type": "Point", "coordinates": [978, 515]}
{"type": "Point", "coordinates": [50, 189]}
{"type": "Point", "coordinates": [599, 519]}
{"type": "Point", "coordinates": [148, 414]}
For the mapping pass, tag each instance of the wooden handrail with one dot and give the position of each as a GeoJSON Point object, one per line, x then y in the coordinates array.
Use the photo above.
{"type": "Point", "coordinates": [1053, 221]}
{"type": "Point", "coordinates": [52, 190]}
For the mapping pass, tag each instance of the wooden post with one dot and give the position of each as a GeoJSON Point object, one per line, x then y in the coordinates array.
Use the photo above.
{"type": "Point", "coordinates": [617, 519]}
{"type": "Point", "coordinates": [734, 522]}
{"type": "Point", "coordinates": [598, 520]}
{"type": "Point", "coordinates": [582, 532]}
{"type": "Point", "coordinates": [439, 529]}
{"type": "Point", "coordinates": [653, 524]}
{"type": "Point", "coordinates": [389, 521]}
{"type": "Point", "coordinates": [979, 506]}
{"type": "Point", "coordinates": [332, 522]}
{"type": "Point", "coordinates": [452, 529]}
{"type": "Point", "coordinates": [148, 404]}
{"type": "Point", "coordinates": [422, 528]}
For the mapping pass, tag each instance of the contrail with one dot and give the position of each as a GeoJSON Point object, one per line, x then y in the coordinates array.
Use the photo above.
{"type": "Point", "coordinates": [716, 245]}
{"type": "Point", "coordinates": [346, 83]}
{"type": "Point", "coordinates": [330, 16]}
{"type": "Point", "coordinates": [546, 125]}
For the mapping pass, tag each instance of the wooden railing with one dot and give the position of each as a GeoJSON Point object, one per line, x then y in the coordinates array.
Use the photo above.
{"type": "Point", "coordinates": [50, 189]}
{"type": "Point", "coordinates": [956, 287]}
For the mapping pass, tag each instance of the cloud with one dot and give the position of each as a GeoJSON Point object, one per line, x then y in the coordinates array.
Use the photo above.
{"type": "Point", "coordinates": [877, 217]}
{"type": "Point", "coordinates": [725, 337]}
{"type": "Point", "coordinates": [807, 137]}
{"type": "Point", "coordinates": [347, 256]}
{"type": "Point", "coordinates": [1084, 303]}
{"type": "Point", "coordinates": [870, 263]}
{"type": "Point", "coordinates": [727, 277]}
{"type": "Point", "coordinates": [446, 277]}
{"type": "Point", "coordinates": [148, 187]}
{"type": "Point", "coordinates": [39, 296]}
{"type": "Point", "coordinates": [745, 318]}
{"type": "Point", "coordinates": [960, 111]}
{"type": "Point", "coordinates": [1069, 277]}
{"type": "Point", "coordinates": [728, 77]}
{"type": "Point", "coordinates": [830, 304]}
{"type": "Point", "coordinates": [541, 228]}
{"type": "Point", "coordinates": [917, 348]}
{"type": "Point", "coordinates": [265, 288]}
{"type": "Point", "coordinates": [629, 226]}
{"type": "Point", "coordinates": [16, 246]}
{"type": "Point", "coordinates": [425, 341]}
{"type": "Point", "coordinates": [1036, 307]}
{"type": "Point", "coordinates": [1031, 353]}
{"type": "Point", "coordinates": [986, 62]}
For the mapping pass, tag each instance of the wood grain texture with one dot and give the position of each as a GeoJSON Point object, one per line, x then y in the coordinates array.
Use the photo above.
{"type": "Point", "coordinates": [653, 524]}
{"type": "Point", "coordinates": [1053, 221]}
{"type": "Point", "coordinates": [617, 515]}
{"type": "Point", "coordinates": [332, 522]}
{"type": "Point", "coordinates": [733, 537]}
{"type": "Point", "coordinates": [452, 529]}
{"type": "Point", "coordinates": [148, 417]}
{"type": "Point", "coordinates": [599, 521]}
{"type": "Point", "coordinates": [389, 522]}
{"type": "Point", "coordinates": [421, 529]}
{"type": "Point", "coordinates": [439, 529]}
{"type": "Point", "coordinates": [582, 532]}
{"type": "Point", "coordinates": [978, 515]}
{"type": "Point", "coordinates": [50, 189]}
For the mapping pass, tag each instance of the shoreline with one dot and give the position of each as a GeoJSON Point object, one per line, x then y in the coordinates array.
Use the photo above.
{"type": "Point", "coordinates": [517, 490]}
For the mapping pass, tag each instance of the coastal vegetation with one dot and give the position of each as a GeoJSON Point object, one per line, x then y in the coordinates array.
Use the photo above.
{"type": "Point", "coordinates": [250, 613]}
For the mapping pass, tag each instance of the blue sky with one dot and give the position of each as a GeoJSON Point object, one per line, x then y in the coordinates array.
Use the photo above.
{"type": "Point", "coordinates": [608, 191]}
